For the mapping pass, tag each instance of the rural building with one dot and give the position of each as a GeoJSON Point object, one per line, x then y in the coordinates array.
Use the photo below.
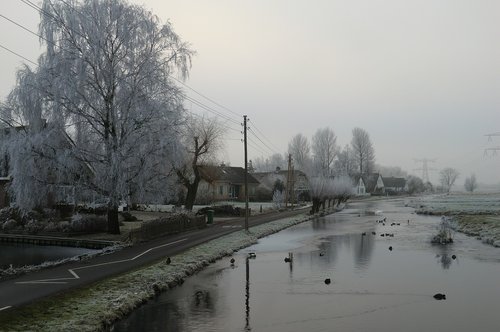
{"type": "Point", "coordinates": [394, 186]}
{"type": "Point", "coordinates": [374, 184]}
{"type": "Point", "coordinates": [359, 186]}
{"type": "Point", "coordinates": [222, 183]}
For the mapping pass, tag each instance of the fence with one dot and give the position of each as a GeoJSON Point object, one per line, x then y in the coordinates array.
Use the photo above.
{"type": "Point", "coordinates": [165, 226]}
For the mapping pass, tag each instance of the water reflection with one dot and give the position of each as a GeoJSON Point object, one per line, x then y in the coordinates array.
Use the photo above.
{"type": "Point", "coordinates": [372, 289]}
{"type": "Point", "coordinates": [202, 300]}
{"type": "Point", "coordinates": [247, 295]}
{"type": "Point", "coordinates": [162, 317]}
{"type": "Point", "coordinates": [444, 256]}
{"type": "Point", "coordinates": [361, 246]}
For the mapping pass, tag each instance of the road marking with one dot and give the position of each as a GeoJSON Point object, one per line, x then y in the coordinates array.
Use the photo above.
{"type": "Point", "coordinates": [231, 226]}
{"type": "Point", "coordinates": [42, 282]}
{"type": "Point", "coordinates": [76, 276]}
{"type": "Point", "coordinates": [5, 308]}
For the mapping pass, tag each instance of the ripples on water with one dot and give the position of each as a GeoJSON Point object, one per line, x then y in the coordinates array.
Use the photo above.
{"type": "Point", "coordinates": [372, 288]}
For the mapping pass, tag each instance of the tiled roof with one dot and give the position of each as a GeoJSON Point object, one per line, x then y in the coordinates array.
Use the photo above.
{"type": "Point", "coordinates": [234, 175]}
{"type": "Point", "coordinates": [393, 182]}
{"type": "Point", "coordinates": [370, 181]}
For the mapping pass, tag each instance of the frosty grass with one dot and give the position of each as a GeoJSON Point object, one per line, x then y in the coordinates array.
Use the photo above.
{"type": "Point", "coordinates": [95, 308]}
{"type": "Point", "coordinates": [476, 215]}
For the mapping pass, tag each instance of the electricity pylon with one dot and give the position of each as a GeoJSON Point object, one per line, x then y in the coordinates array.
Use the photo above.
{"type": "Point", "coordinates": [494, 150]}
{"type": "Point", "coordinates": [425, 168]}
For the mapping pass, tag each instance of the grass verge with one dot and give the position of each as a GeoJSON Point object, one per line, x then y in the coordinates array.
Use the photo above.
{"type": "Point", "coordinates": [484, 227]}
{"type": "Point", "coordinates": [97, 306]}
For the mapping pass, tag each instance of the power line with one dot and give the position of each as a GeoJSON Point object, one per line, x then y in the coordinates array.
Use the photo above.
{"type": "Point", "coordinates": [198, 103]}
{"type": "Point", "coordinates": [39, 9]}
{"type": "Point", "coordinates": [19, 55]}
{"type": "Point", "coordinates": [256, 146]}
{"type": "Point", "coordinates": [267, 139]}
{"type": "Point", "coordinates": [223, 125]}
{"type": "Point", "coordinates": [264, 144]}
{"type": "Point", "coordinates": [192, 100]}
{"type": "Point", "coordinates": [206, 107]}
{"type": "Point", "coordinates": [184, 84]}
{"type": "Point", "coordinates": [259, 151]}
{"type": "Point", "coordinates": [267, 146]}
{"type": "Point", "coordinates": [21, 26]}
{"type": "Point", "coordinates": [207, 98]}
{"type": "Point", "coordinates": [209, 109]}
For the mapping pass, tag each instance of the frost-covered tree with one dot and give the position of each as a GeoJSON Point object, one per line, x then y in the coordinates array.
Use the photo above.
{"type": "Point", "coordinates": [343, 188]}
{"type": "Point", "coordinates": [364, 154]}
{"type": "Point", "coordinates": [345, 163]}
{"type": "Point", "coordinates": [318, 188]}
{"type": "Point", "coordinates": [202, 140]}
{"type": "Point", "coordinates": [447, 177]}
{"type": "Point", "coordinates": [388, 171]}
{"type": "Point", "coordinates": [299, 148]}
{"type": "Point", "coordinates": [270, 164]}
{"type": "Point", "coordinates": [327, 189]}
{"type": "Point", "coordinates": [104, 83]}
{"type": "Point", "coordinates": [324, 149]}
{"type": "Point", "coordinates": [470, 183]}
{"type": "Point", "coordinates": [415, 185]}
{"type": "Point", "coordinates": [278, 199]}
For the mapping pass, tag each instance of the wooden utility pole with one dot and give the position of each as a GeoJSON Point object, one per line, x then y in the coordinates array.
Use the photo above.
{"type": "Point", "coordinates": [246, 170]}
{"type": "Point", "coordinates": [289, 183]}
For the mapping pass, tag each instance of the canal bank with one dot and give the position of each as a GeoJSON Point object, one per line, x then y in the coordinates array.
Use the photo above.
{"type": "Point", "coordinates": [96, 307]}
{"type": "Point", "coordinates": [376, 281]}
{"type": "Point", "coordinates": [474, 214]}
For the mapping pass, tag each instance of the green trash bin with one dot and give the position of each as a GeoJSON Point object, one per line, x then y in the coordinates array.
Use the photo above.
{"type": "Point", "coordinates": [210, 216]}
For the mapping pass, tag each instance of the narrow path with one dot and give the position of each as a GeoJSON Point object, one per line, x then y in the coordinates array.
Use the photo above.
{"type": "Point", "coordinates": [34, 286]}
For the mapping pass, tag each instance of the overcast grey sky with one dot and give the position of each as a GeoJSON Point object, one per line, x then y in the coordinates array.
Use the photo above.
{"type": "Point", "coordinates": [422, 77]}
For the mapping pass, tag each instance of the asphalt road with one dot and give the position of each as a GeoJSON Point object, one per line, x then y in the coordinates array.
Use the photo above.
{"type": "Point", "coordinates": [37, 285]}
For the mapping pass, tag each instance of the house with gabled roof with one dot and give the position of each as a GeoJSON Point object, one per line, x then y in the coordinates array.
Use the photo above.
{"type": "Point", "coordinates": [222, 183]}
{"type": "Point", "coordinates": [394, 186]}
{"type": "Point", "coordinates": [359, 185]}
{"type": "Point", "coordinates": [374, 183]}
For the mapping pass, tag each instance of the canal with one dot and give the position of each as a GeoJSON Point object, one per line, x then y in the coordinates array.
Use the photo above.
{"type": "Point", "coordinates": [377, 283]}
{"type": "Point", "coordinates": [17, 255]}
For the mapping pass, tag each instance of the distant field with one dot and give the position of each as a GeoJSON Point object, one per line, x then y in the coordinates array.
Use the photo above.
{"type": "Point", "coordinates": [476, 215]}
{"type": "Point", "coordinates": [458, 204]}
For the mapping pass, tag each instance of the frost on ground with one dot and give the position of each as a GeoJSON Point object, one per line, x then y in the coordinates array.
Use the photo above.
{"type": "Point", "coordinates": [474, 214]}
{"type": "Point", "coordinates": [95, 308]}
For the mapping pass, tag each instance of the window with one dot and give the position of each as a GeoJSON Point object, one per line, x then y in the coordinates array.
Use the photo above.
{"type": "Point", "coordinates": [221, 190]}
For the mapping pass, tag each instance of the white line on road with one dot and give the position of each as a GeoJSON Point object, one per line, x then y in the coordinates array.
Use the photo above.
{"type": "Point", "coordinates": [5, 308]}
{"type": "Point", "coordinates": [76, 276]}
{"type": "Point", "coordinates": [48, 281]}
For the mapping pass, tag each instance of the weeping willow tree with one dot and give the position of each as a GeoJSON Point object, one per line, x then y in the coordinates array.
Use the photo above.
{"type": "Point", "coordinates": [101, 109]}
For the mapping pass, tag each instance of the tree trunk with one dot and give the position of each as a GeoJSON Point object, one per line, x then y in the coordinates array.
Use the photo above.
{"type": "Point", "coordinates": [113, 223]}
{"type": "Point", "coordinates": [191, 195]}
{"type": "Point", "coordinates": [316, 205]}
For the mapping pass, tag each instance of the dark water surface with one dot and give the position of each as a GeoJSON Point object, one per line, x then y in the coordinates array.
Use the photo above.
{"type": "Point", "coordinates": [26, 254]}
{"type": "Point", "coordinates": [372, 288]}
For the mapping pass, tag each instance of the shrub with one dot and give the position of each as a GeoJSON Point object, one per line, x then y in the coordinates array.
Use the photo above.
{"type": "Point", "coordinates": [87, 224]}
{"type": "Point", "coordinates": [127, 216]}
{"type": "Point", "coordinates": [444, 235]}
{"type": "Point", "coordinates": [9, 225]}
{"type": "Point", "coordinates": [33, 226]}
{"type": "Point", "coordinates": [53, 226]}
